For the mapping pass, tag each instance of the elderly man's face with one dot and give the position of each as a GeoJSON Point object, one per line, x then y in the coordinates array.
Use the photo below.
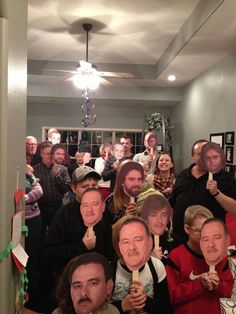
{"type": "Point", "coordinates": [133, 183]}
{"type": "Point", "coordinates": [214, 242]}
{"type": "Point", "coordinates": [89, 288]}
{"type": "Point", "coordinates": [92, 208]}
{"type": "Point", "coordinates": [213, 161]}
{"type": "Point", "coordinates": [31, 146]}
{"type": "Point", "coordinates": [135, 245]}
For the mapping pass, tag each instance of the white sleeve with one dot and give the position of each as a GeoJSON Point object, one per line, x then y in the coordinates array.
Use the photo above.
{"type": "Point", "coordinates": [160, 268]}
{"type": "Point", "coordinates": [99, 165]}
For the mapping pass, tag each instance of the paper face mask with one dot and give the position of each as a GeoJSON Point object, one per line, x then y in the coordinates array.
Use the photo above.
{"type": "Point", "coordinates": [212, 157]}
{"type": "Point", "coordinates": [91, 208]}
{"type": "Point", "coordinates": [152, 141]}
{"type": "Point", "coordinates": [214, 242]}
{"type": "Point", "coordinates": [135, 245]}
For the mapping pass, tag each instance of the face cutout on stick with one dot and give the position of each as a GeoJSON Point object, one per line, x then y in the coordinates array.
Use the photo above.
{"type": "Point", "coordinates": [214, 242]}
{"type": "Point", "coordinates": [134, 245]}
{"type": "Point", "coordinates": [212, 157]}
{"type": "Point", "coordinates": [92, 208]}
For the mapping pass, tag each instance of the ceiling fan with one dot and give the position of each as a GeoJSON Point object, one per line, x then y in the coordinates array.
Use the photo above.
{"type": "Point", "coordinates": [87, 72]}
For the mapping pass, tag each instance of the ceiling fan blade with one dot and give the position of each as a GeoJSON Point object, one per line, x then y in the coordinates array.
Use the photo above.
{"type": "Point", "coordinates": [56, 70]}
{"type": "Point", "coordinates": [105, 82]}
{"type": "Point", "coordinates": [116, 74]}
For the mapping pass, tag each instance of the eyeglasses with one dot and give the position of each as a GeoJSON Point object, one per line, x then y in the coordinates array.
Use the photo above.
{"type": "Point", "coordinates": [195, 229]}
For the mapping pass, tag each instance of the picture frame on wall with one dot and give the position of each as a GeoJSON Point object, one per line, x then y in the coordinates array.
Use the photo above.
{"type": "Point", "coordinates": [229, 154]}
{"type": "Point", "coordinates": [217, 138]}
{"type": "Point", "coordinates": [229, 138]}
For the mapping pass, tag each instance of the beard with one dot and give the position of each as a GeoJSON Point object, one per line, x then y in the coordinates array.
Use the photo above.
{"type": "Point", "coordinates": [133, 191]}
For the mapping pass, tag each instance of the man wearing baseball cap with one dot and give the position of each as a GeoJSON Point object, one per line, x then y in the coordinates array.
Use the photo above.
{"type": "Point", "coordinates": [69, 236]}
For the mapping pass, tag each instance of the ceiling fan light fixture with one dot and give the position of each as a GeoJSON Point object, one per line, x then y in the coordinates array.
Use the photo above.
{"type": "Point", "coordinates": [86, 81]}
{"type": "Point", "coordinates": [86, 76]}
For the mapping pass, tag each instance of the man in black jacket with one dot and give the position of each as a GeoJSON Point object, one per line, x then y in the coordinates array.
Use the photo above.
{"type": "Point", "coordinates": [68, 235]}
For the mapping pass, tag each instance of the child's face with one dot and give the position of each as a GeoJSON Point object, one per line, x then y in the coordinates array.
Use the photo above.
{"type": "Point", "coordinates": [118, 151]}
{"type": "Point", "coordinates": [157, 221]}
{"type": "Point", "coordinates": [194, 231]}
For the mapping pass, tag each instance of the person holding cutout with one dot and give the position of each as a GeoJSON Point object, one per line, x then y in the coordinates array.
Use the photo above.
{"type": "Point", "coordinates": [214, 242]}
{"type": "Point", "coordinates": [157, 213]}
{"type": "Point", "coordinates": [128, 185]}
{"type": "Point", "coordinates": [193, 187]}
{"type": "Point", "coordinates": [146, 291]}
{"type": "Point", "coordinates": [85, 286]}
{"type": "Point", "coordinates": [187, 270]}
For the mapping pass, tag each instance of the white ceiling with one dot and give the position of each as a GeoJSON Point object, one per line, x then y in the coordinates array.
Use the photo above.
{"type": "Point", "coordinates": [150, 39]}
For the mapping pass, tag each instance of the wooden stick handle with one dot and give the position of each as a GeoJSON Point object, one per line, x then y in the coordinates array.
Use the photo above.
{"type": "Point", "coordinates": [135, 275]}
{"type": "Point", "coordinates": [151, 150]}
{"type": "Point", "coordinates": [212, 268]}
{"type": "Point", "coordinates": [132, 199]}
{"type": "Point", "coordinates": [210, 176]}
{"type": "Point", "coordinates": [156, 241]}
{"type": "Point", "coordinates": [90, 230]}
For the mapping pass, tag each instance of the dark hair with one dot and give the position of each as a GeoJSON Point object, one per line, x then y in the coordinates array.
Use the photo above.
{"type": "Point", "coordinates": [127, 137]}
{"type": "Point", "coordinates": [44, 145]}
{"type": "Point", "coordinates": [216, 147]}
{"type": "Point", "coordinates": [220, 221]}
{"type": "Point", "coordinates": [93, 190]}
{"type": "Point", "coordinates": [63, 295]}
{"type": "Point", "coordinates": [58, 146]}
{"type": "Point", "coordinates": [172, 169]}
{"type": "Point", "coordinates": [125, 167]}
{"type": "Point", "coordinates": [125, 220]}
{"type": "Point", "coordinates": [201, 140]}
{"type": "Point", "coordinates": [153, 204]}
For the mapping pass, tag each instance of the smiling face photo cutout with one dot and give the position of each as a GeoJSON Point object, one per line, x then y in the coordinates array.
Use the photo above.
{"type": "Point", "coordinates": [92, 207]}
{"type": "Point", "coordinates": [212, 157]}
{"type": "Point", "coordinates": [135, 242]}
{"type": "Point", "coordinates": [156, 212]}
{"type": "Point", "coordinates": [214, 241]}
{"type": "Point", "coordinates": [152, 140]}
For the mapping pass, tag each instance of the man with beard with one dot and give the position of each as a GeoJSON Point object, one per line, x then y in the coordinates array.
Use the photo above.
{"type": "Point", "coordinates": [148, 292]}
{"type": "Point", "coordinates": [85, 285]}
{"type": "Point", "coordinates": [55, 182]}
{"type": "Point", "coordinates": [128, 184]}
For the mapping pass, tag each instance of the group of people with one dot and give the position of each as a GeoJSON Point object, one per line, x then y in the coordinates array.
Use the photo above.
{"type": "Point", "coordinates": [132, 236]}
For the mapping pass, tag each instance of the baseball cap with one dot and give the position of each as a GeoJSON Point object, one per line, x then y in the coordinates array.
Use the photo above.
{"type": "Point", "coordinates": [82, 172]}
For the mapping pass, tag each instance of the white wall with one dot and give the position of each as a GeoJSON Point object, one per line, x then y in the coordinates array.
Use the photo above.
{"type": "Point", "coordinates": [208, 106]}
{"type": "Point", "coordinates": [69, 115]}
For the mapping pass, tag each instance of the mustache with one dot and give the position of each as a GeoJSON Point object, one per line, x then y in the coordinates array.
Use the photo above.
{"type": "Point", "coordinates": [84, 299]}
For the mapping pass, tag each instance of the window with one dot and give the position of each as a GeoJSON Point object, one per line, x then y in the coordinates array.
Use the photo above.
{"type": "Point", "coordinates": [90, 139]}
